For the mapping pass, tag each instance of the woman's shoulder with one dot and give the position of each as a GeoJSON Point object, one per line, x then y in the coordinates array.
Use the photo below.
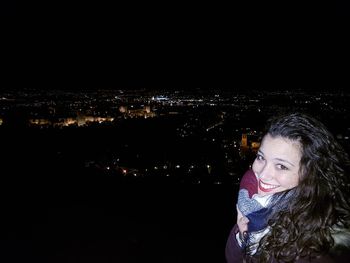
{"type": "Point", "coordinates": [339, 253]}
{"type": "Point", "coordinates": [344, 256]}
{"type": "Point", "coordinates": [233, 252]}
{"type": "Point", "coordinates": [330, 258]}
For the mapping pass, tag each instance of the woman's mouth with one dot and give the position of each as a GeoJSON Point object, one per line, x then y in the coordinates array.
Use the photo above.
{"type": "Point", "coordinates": [267, 187]}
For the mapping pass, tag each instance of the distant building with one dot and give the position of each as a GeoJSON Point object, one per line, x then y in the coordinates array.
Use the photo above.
{"type": "Point", "coordinates": [250, 143]}
{"type": "Point", "coordinates": [40, 122]}
{"type": "Point", "coordinates": [123, 109]}
{"type": "Point", "coordinates": [255, 146]}
{"type": "Point", "coordinates": [144, 112]}
{"type": "Point", "coordinates": [244, 142]}
{"type": "Point", "coordinates": [62, 122]}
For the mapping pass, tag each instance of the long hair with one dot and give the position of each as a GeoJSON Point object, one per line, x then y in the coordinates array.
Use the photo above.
{"type": "Point", "coordinates": [320, 201]}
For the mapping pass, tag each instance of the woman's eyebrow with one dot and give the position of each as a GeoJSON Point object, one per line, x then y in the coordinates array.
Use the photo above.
{"type": "Point", "coordinates": [278, 159]}
{"type": "Point", "coordinates": [282, 160]}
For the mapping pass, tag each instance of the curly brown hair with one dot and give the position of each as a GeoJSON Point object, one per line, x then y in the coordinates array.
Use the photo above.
{"type": "Point", "coordinates": [319, 202]}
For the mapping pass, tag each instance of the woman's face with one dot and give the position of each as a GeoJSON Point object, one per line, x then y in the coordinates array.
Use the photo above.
{"type": "Point", "coordinates": [277, 164]}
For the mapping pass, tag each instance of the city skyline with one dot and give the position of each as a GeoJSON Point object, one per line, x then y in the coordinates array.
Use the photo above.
{"type": "Point", "coordinates": [212, 120]}
{"type": "Point", "coordinates": [113, 175]}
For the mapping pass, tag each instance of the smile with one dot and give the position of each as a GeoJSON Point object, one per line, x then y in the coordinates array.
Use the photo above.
{"type": "Point", "coordinates": [267, 187]}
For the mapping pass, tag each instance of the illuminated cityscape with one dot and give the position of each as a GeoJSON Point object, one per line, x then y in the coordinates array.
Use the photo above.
{"type": "Point", "coordinates": [119, 174]}
{"type": "Point", "coordinates": [194, 136]}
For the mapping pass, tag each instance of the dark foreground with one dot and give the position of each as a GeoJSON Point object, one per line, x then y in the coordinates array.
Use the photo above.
{"type": "Point", "coordinates": [65, 214]}
{"type": "Point", "coordinates": [54, 210]}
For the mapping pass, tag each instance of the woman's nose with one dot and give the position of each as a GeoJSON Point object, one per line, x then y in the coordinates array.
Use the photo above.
{"type": "Point", "coordinates": [265, 172]}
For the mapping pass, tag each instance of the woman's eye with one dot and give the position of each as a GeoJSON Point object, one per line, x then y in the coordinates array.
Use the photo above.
{"type": "Point", "coordinates": [281, 167]}
{"type": "Point", "coordinates": [259, 157]}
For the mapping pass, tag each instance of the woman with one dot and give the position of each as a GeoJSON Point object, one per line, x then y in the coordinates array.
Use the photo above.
{"type": "Point", "coordinates": [293, 206]}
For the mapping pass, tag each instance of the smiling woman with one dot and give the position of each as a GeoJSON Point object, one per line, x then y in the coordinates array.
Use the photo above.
{"type": "Point", "coordinates": [277, 164]}
{"type": "Point", "coordinates": [293, 206]}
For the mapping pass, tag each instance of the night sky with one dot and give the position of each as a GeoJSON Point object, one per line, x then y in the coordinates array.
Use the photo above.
{"type": "Point", "coordinates": [138, 49]}
{"type": "Point", "coordinates": [8, 8]}
{"type": "Point", "coordinates": [81, 60]}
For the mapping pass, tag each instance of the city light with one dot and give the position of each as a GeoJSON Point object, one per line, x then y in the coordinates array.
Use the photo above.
{"type": "Point", "coordinates": [126, 128]}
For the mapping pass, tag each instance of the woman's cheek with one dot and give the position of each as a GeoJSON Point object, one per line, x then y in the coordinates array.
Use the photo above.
{"type": "Point", "coordinates": [255, 166]}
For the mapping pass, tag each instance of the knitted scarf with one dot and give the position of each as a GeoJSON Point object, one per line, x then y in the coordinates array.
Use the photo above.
{"type": "Point", "coordinates": [258, 209]}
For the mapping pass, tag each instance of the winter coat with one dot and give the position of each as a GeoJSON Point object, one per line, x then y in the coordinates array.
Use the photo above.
{"type": "Point", "coordinates": [234, 254]}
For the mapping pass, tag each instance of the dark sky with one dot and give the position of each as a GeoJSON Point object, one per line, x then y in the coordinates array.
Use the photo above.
{"type": "Point", "coordinates": [168, 65]}
{"type": "Point", "coordinates": [139, 50]}
{"type": "Point", "coordinates": [7, 7]}
{"type": "Point", "coordinates": [77, 57]}
{"type": "Point", "coordinates": [343, 8]}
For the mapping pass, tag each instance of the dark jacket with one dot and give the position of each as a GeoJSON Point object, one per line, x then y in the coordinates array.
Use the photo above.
{"type": "Point", "coordinates": [234, 253]}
